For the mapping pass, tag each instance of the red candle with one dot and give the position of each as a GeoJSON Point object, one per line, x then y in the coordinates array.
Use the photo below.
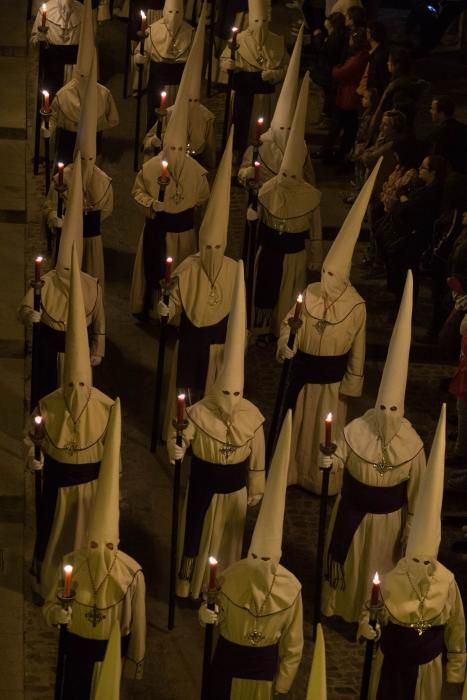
{"type": "Point", "coordinates": [259, 128]}
{"type": "Point", "coordinates": [37, 269]}
{"type": "Point", "coordinates": [143, 22]}
{"type": "Point", "coordinates": [61, 168]}
{"type": "Point", "coordinates": [38, 427]}
{"type": "Point", "coordinates": [168, 269]}
{"type": "Point", "coordinates": [163, 99]}
{"type": "Point", "coordinates": [180, 408]}
{"type": "Point", "coordinates": [298, 307]}
{"type": "Point", "coordinates": [328, 430]}
{"type": "Point", "coordinates": [67, 575]}
{"type": "Point", "coordinates": [375, 590]}
{"type": "Point", "coordinates": [234, 37]}
{"type": "Point", "coordinates": [257, 169]}
{"type": "Point", "coordinates": [45, 101]}
{"type": "Point", "coordinates": [165, 168]}
{"type": "Point", "coordinates": [212, 573]}
{"type": "Point", "coordinates": [43, 14]}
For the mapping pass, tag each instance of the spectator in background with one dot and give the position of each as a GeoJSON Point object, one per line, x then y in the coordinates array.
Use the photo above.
{"type": "Point", "coordinates": [369, 104]}
{"type": "Point", "coordinates": [330, 47]}
{"type": "Point", "coordinates": [450, 138]}
{"type": "Point", "coordinates": [376, 76]}
{"type": "Point", "coordinates": [355, 18]}
{"type": "Point", "coordinates": [407, 155]}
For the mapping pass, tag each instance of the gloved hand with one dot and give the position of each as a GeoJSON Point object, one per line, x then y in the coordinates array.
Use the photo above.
{"type": "Point", "coordinates": [271, 76]}
{"type": "Point", "coordinates": [248, 173]}
{"type": "Point", "coordinates": [58, 222]}
{"type": "Point", "coordinates": [285, 353]}
{"type": "Point", "coordinates": [157, 206]}
{"type": "Point", "coordinates": [208, 617]}
{"type": "Point", "coordinates": [42, 35]}
{"type": "Point", "coordinates": [162, 309]}
{"type": "Point", "coordinates": [229, 64]}
{"type": "Point", "coordinates": [35, 465]}
{"type": "Point", "coordinates": [366, 631]}
{"type": "Point", "coordinates": [61, 616]}
{"type": "Point", "coordinates": [251, 214]}
{"type": "Point", "coordinates": [140, 60]}
{"type": "Point", "coordinates": [34, 316]}
{"type": "Point", "coordinates": [254, 500]}
{"type": "Point", "coordinates": [45, 133]}
{"type": "Point", "coordinates": [328, 462]}
{"type": "Point", "coordinates": [177, 453]}
{"type": "Point", "coordinates": [96, 360]}
{"type": "Point", "coordinates": [156, 142]}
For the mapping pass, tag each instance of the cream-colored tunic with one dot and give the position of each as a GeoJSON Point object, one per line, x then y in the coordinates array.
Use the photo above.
{"type": "Point", "coordinates": [190, 189]}
{"type": "Point", "coordinates": [344, 332]}
{"type": "Point", "coordinates": [121, 597]}
{"type": "Point", "coordinates": [377, 543]}
{"type": "Point", "coordinates": [74, 503]}
{"type": "Point", "coordinates": [59, 30]}
{"type": "Point", "coordinates": [442, 606]}
{"type": "Point", "coordinates": [245, 605]}
{"type": "Point", "coordinates": [66, 108]}
{"type": "Point", "coordinates": [222, 534]}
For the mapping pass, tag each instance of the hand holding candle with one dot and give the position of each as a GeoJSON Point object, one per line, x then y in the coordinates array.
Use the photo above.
{"type": "Point", "coordinates": [328, 430]}
{"type": "Point", "coordinates": [375, 591]}
{"type": "Point", "coordinates": [67, 576]}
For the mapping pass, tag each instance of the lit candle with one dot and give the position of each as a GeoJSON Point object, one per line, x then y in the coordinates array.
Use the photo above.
{"type": "Point", "coordinates": [37, 268]}
{"type": "Point", "coordinates": [259, 128]}
{"type": "Point", "coordinates": [163, 100]}
{"type": "Point", "coordinates": [257, 165]}
{"type": "Point", "coordinates": [165, 168]}
{"type": "Point", "coordinates": [298, 307]}
{"type": "Point", "coordinates": [38, 427]}
{"type": "Point", "coordinates": [67, 575]}
{"type": "Point", "coordinates": [143, 22]}
{"type": "Point", "coordinates": [328, 430]}
{"type": "Point", "coordinates": [168, 269]}
{"type": "Point", "coordinates": [234, 37]}
{"type": "Point", "coordinates": [61, 168]}
{"type": "Point", "coordinates": [375, 590]}
{"type": "Point", "coordinates": [45, 101]}
{"type": "Point", "coordinates": [180, 408]}
{"type": "Point", "coordinates": [212, 573]}
{"type": "Point", "coordinates": [43, 14]}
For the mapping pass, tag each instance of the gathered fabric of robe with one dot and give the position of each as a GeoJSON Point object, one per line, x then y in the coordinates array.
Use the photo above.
{"type": "Point", "coordinates": [122, 598]}
{"type": "Point", "coordinates": [53, 324]}
{"type": "Point", "coordinates": [442, 606]}
{"type": "Point", "coordinates": [185, 192]}
{"type": "Point", "coordinates": [378, 540]}
{"type": "Point", "coordinates": [275, 611]}
{"type": "Point", "coordinates": [98, 204]}
{"type": "Point", "coordinates": [66, 446]}
{"type": "Point", "coordinates": [224, 522]}
{"type": "Point", "coordinates": [343, 332]}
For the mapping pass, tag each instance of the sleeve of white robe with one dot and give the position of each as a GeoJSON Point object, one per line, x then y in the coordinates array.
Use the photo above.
{"type": "Point", "coordinates": [98, 326]}
{"type": "Point", "coordinates": [352, 383]}
{"type": "Point", "coordinates": [54, 115]}
{"type": "Point", "coordinates": [202, 190]}
{"type": "Point", "coordinates": [140, 193]}
{"type": "Point", "coordinates": [417, 470]}
{"type": "Point", "coordinates": [134, 660]}
{"type": "Point", "coordinates": [35, 32]}
{"type": "Point", "coordinates": [112, 117]}
{"type": "Point", "coordinates": [290, 648]}
{"type": "Point", "coordinates": [175, 301]}
{"type": "Point", "coordinates": [188, 435]}
{"type": "Point", "coordinates": [454, 637]}
{"type": "Point", "coordinates": [256, 464]}
{"type": "Point", "coordinates": [49, 207]}
{"type": "Point", "coordinates": [106, 205]}
{"type": "Point", "coordinates": [26, 306]}
{"type": "Point", "coordinates": [246, 163]}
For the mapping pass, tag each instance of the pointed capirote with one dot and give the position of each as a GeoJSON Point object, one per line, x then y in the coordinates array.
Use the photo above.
{"type": "Point", "coordinates": [190, 84]}
{"type": "Point", "coordinates": [292, 162]}
{"type": "Point", "coordinates": [267, 536]}
{"type": "Point", "coordinates": [87, 42]}
{"type": "Point", "coordinates": [317, 684]}
{"type": "Point", "coordinates": [425, 532]}
{"type": "Point", "coordinates": [339, 256]}
{"type": "Point", "coordinates": [72, 228]}
{"type": "Point", "coordinates": [285, 108]}
{"type": "Point", "coordinates": [109, 679]}
{"type": "Point", "coordinates": [87, 129]}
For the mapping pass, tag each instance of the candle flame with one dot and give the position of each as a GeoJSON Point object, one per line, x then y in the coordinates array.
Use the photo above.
{"type": "Point", "coordinates": [143, 16]}
{"type": "Point", "coordinates": [68, 569]}
{"type": "Point", "coordinates": [38, 420]}
{"type": "Point", "coordinates": [39, 259]}
{"type": "Point", "coordinates": [169, 260]}
{"type": "Point", "coordinates": [44, 7]}
{"type": "Point", "coordinates": [328, 418]}
{"type": "Point", "coordinates": [300, 298]}
{"type": "Point", "coordinates": [45, 93]}
{"type": "Point", "coordinates": [261, 120]}
{"type": "Point", "coordinates": [213, 561]}
{"type": "Point", "coordinates": [234, 30]}
{"type": "Point", "coordinates": [257, 164]}
{"type": "Point", "coordinates": [60, 165]}
{"type": "Point", "coordinates": [165, 164]}
{"type": "Point", "coordinates": [376, 580]}
{"type": "Point", "coordinates": [163, 93]}
{"type": "Point", "coordinates": [181, 397]}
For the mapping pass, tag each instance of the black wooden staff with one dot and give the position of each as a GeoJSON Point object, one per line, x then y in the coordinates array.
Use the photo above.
{"type": "Point", "coordinates": [60, 188]}
{"type": "Point", "coordinates": [180, 425]}
{"type": "Point", "coordinates": [140, 67]}
{"type": "Point", "coordinates": [228, 98]}
{"type": "Point", "coordinates": [328, 450]}
{"type": "Point", "coordinates": [294, 324]}
{"type": "Point", "coordinates": [65, 601]}
{"type": "Point", "coordinates": [37, 285]}
{"type": "Point", "coordinates": [369, 649]}
{"type": "Point", "coordinates": [126, 71]}
{"type": "Point", "coordinates": [209, 631]}
{"type": "Point", "coordinates": [45, 114]}
{"type": "Point", "coordinates": [163, 181]}
{"type": "Point", "coordinates": [40, 80]}
{"type": "Point", "coordinates": [212, 27]}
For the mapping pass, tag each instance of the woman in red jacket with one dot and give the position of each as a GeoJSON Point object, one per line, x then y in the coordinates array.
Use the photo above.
{"type": "Point", "coordinates": [346, 78]}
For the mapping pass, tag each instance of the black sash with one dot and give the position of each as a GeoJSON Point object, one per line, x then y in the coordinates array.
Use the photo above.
{"type": "Point", "coordinates": [154, 243]}
{"type": "Point", "coordinates": [207, 479]}
{"type": "Point", "coordinates": [165, 73]}
{"type": "Point", "coordinates": [274, 247]}
{"type": "Point", "coordinates": [313, 369]}
{"type": "Point", "coordinates": [237, 661]}
{"type": "Point", "coordinates": [193, 353]}
{"type": "Point", "coordinates": [89, 650]}
{"type": "Point", "coordinates": [251, 83]}
{"type": "Point", "coordinates": [404, 651]}
{"type": "Point", "coordinates": [92, 223]}
{"type": "Point", "coordinates": [357, 500]}
{"type": "Point", "coordinates": [58, 475]}
{"type": "Point", "coordinates": [51, 342]}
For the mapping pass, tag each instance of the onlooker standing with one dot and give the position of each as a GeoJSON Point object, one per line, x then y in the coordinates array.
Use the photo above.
{"type": "Point", "coordinates": [450, 138]}
{"type": "Point", "coordinates": [376, 76]}
{"type": "Point", "coordinates": [407, 156]}
{"type": "Point", "coordinates": [329, 48]}
{"type": "Point", "coordinates": [369, 104]}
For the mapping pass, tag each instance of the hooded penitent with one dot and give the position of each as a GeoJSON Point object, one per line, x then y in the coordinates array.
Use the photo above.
{"type": "Point", "coordinates": [228, 387]}
{"type": "Point", "coordinates": [335, 273]}
{"type": "Point", "coordinates": [213, 231]}
{"type": "Point", "coordinates": [173, 15]}
{"type": "Point", "coordinates": [77, 373]}
{"type": "Point", "coordinates": [258, 19]}
{"type": "Point", "coordinates": [87, 43]}
{"type": "Point", "coordinates": [108, 684]}
{"type": "Point", "coordinates": [176, 135]}
{"type": "Point", "coordinates": [389, 409]}
{"type": "Point", "coordinates": [72, 230]}
{"type": "Point", "coordinates": [317, 686]}
{"type": "Point", "coordinates": [292, 162]}
{"type": "Point", "coordinates": [87, 129]}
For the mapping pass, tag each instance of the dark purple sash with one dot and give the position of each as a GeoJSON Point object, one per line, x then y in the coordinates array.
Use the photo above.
{"type": "Point", "coordinates": [237, 661]}
{"type": "Point", "coordinates": [91, 223]}
{"type": "Point", "coordinates": [313, 369]}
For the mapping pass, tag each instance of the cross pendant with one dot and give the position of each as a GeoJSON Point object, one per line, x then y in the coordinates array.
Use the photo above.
{"type": "Point", "coordinates": [381, 466]}
{"type": "Point", "coordinates": [95, 616]}
{"type": "Point", "coordinates": [254, 637]}
{"type": "Point", "coordinates": [71, 447]}
{"type": "Point", "coordinates": [421, 626]}
{"type": "Point", "coordinates": [227, 450]}
{"type": "Point", "coordinates": [321, 326]}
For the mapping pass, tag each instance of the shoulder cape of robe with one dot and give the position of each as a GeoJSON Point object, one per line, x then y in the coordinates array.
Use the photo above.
{"type": "Point", "coordinates": [160, 42]}
{"type": "Point", "coordinates": [246, 420]}
{"type": "Point", "coordinates": [55, 294]}
{"type": "Point", "coordinates": [343, 307]}
{"type": "Point", "coordinates": [273, 50]}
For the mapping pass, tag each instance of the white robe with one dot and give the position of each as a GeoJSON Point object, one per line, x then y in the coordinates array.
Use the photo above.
{"type": "Point", "coordinates": [377, 543]}
{"type": "Point", "coordinates": [224, 522]}
{"type": "Point", "coordinates": [59, 32]}
{"type": "Point", "coordinates": [66, 108]}
{"type": "Point", "coordinates": [344, 332]}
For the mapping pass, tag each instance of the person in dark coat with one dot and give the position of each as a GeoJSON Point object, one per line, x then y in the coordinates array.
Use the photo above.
{"type": "Point", "coordinates": [329, 49]}
{"type": "Point", "coordinates": [450, 138]}
{"type": "Point", "coordinates": [377, 74]}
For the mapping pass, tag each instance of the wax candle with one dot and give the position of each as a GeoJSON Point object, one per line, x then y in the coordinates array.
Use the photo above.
{"type": "Point", "coordinates": [163, 99]}
{"type": "Point", "coordinates": [61, 168]}
{"type": "Point", "coordinates": [45, 101]}
{"type": "Point", "coordinates": [234, 37]}
{"type": "Point", "coordinates": [328, 430]}
{"type": "Point", "coordinates": [38, 428]}
{"type": "Point", "coordinates": [257, 169]}
{"type": "Point", "coordinates": [143, 22]}
{"type": "Point", "coordinates": [259, 127]}
{"type": "Point", "coordinates": [67, 575]}
{"type": "Point", "coordinates": [298, 307]}
{"type": "Point", "coordinates": [212, 573]}
{"type": "Point", "coordinates": [165, 168]}
{"type": "Point", "coordinates": [37, 268]}
{"type": "Point", "coordinates": [43, 14]}
{"type": "Point", "coordinates": [180, 408]}
{"type": "Point", "coordinates": [375, 590]}
{"type": "Point", "coordinates": [168, 269]}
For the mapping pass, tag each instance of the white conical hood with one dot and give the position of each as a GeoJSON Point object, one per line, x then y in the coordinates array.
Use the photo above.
{"type": "Point", "coordinates": [72, 229]}
{"type": "Point", "coordinates": [77, 373]}
{"type": "Point", "coordinates": [176, 135]}
{"type": "Point", "coordinates": [285, 108]}
{"type": "Point", "coordinates": [105, 514]}
{"type": "Point", "coordinates": [267, 535]}
{"type": "Point", "coordinates": [258, 19]}
{"type": "Point", "coordinates": [213, 231]}
{"type": "Point", "coordinates": [335, 274]}
{"type": "Point", "coordinates": [317, 685]}
{"type": "Point", "coordinates": [292, 162]}
{"type": "Point", "coordinates": [87, 42]}
{"type": "Point", "coordinates": [173, 14]}
{"type": "Point", "coordinates": [110, 675]}
{"type": "Point", "coordinates": [228, 387]}
{"type": "Point", "coordinates": [190, 83]}
{"type": "Point", "coordinates": [87, 129]}
{"type": "Point", "coordinates": [425, 531]}
{"type": "Point", "coordinates": [389, 409]}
